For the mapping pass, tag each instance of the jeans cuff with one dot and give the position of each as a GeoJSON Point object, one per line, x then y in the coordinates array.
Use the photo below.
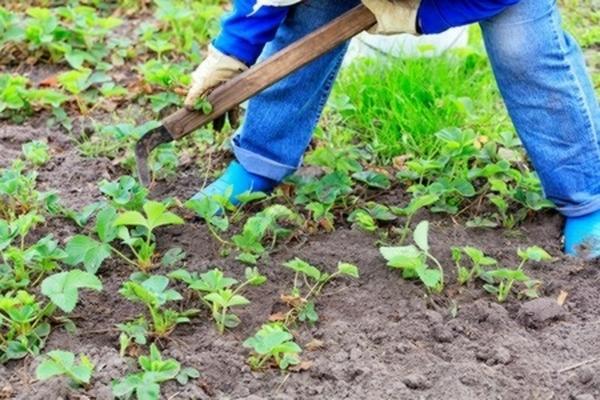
{"type": "Point", "coordinates": [581, 209]}
{"type": "Point", "coordinates": [261, 165]}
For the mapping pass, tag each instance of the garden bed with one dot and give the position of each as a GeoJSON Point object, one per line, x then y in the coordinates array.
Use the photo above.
{"type": "Point", "coordinates": [378, 336]}
{"type": "Point", "coordinates": [375, 172]}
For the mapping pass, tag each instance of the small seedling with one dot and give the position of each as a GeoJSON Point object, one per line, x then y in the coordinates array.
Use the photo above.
{"type": "Point", "coordinates": [132, 331]}
{"type": "Point", "coordinates": [125, 193]}
{"type": "Point", "coordinates": [24, 328]}
{"type": "Point", "coordinates": [36, 152]}
{"type": "Point", "coordinates": [153, 293]}
{"type": "Point", "coordinates": [58, 362]}
{"type": "Point", "coordinates": [478, 261]}
{"type": "Point", "coordinates": [412, 260]}
{"type": "Point", "coordinates": [145, 385]}
{"type": "Point", "coordinates": [501, 281]}
{"type": "Point", "coordinates": [263, 225]}
{"type": "Point", "coordinates": [219, 294]}
{"type": "Point", "coordinates": [273, 343]}
{"type": "Point", "coordinates": [303, 304]}
{"type": "Point", "coordinates": [143, 247]}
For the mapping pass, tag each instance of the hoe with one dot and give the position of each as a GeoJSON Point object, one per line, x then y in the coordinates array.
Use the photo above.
{"type": "Point", "coordinates": [253, 81]}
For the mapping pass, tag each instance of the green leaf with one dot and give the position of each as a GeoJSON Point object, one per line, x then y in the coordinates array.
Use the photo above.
{"type": "Point", "coordinates": [105, 224]}
{"type": "Point", "coordinates": [430, 277]}
{"type": "Point", "coordinates": [373, 179]}
{"type": "Point", "coordinates": [348, 269]}
{"type": "Point", "coordinates": [534, 253]}
{"type": "Point", "coordinates": [129, 218]}
{"type": "Point", "coordinates": [158, 215]}
{"type": "Point", "coordinates": [420, 236]}
{"type": "Point", "coordinates": [63, 288]}
{"type": "Point", "coordinates": [82, 249]}
{"type": "Point", "coordinates": [303, 267]}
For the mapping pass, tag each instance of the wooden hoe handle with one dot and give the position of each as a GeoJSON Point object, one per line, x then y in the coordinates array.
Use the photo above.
{"type": "Point", "coordinates": [272, 70]}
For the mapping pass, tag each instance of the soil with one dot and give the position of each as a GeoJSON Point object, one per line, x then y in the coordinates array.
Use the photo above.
{"type": "Point", "coordinates": [380, 336]}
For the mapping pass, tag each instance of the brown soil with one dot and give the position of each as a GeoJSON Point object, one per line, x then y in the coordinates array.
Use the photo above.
{"type": "Point", "coordinates": [382, 337]}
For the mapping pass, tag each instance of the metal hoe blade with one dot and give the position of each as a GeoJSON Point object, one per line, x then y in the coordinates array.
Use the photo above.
{"type": "Point", "coordinates": [144, 147]}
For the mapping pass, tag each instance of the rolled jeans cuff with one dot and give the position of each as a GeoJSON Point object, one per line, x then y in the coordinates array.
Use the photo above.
{"type": "Point", "coordinates": [261, 165]}
{"type": "Point", "coordinates": [581, 210]}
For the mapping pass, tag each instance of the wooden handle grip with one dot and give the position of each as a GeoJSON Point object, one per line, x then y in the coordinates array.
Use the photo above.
{"type": "Point", "coordinates": [272, 70]}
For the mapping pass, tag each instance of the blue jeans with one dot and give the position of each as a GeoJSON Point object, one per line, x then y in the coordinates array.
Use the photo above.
{"type": "Point", "coordinates": [540, 71]}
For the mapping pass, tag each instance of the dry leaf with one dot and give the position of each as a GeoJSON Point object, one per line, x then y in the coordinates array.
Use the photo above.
{"type": "Point", "coordinates": [562, 297]}
{"type": "Point", "coordinates": [278, 316]}
{"type": "Point", "coordinates": [314, 345]}
{"type": "Point", "coordinates": [303, 366]}
{"type": "Point", "coordinates": [51, 81]}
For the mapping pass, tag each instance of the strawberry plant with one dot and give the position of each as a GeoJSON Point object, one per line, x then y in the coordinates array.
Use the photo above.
{"type": "Point", "coordinates": [219, 294]}
{"type": "Point", "coordinates": [18, 194]}
{"type": "Point", "coordinates": [153, 293]}
{"type": "Point", "coordinates": [36, 152]}
{"type": "Point", "coordinates": [23, 328]}
{"type": "Point", "coordinates": [302, 302]}
{"type": "Point", "coordinates": [16, 96]}
{"type": "Point", "coordinates": [24, 266]}
{"type": "Point", "coordinates": [273, 343]}
{"type": "Point", "coordinates": [125, 193]}
{"type": "Point", "coordinates": [62, 363]}
{"type": "Point", "coordinates": [412, 260]}
{"type": "Point", "coordinates": [135, 331]}
{"type": "Point", "coordinates": [500, 282]}
{"type": "Point", "coordinates": [142, 243]}
{"type": "Point", "coordinates": [145, 385]}
{"type": "Point", "coordinates": [321, 196]}
{"type": "Point", "coordinates": [478, 262]}
{"type": "Point", "coordinates": [264, 225]}
{"type": "Point", "coordinates": [212, 211]}
{"type": "Point", "coordinates": [63, 288]}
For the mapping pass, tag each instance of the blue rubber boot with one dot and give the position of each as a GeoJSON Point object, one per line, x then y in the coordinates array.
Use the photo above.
{"type": "Point", "coordinates": [582, 236]}
{"type": "Point", "coordinates": [236, 180]}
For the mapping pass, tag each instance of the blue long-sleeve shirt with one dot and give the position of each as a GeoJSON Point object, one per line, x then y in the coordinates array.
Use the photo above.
{"type": "Point", "coordinates": [246, 30]}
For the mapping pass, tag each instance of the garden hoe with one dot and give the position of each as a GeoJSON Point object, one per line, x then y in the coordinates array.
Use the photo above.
{"type": "Point", "coordinates": [253, 81]}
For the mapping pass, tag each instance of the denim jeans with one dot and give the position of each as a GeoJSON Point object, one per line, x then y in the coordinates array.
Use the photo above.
{"type": "Point", "coordinates": [540, 71]}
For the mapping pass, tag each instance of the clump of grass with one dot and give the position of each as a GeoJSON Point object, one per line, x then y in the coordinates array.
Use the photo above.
{"type": "Point", "coordinates": [397, 105]}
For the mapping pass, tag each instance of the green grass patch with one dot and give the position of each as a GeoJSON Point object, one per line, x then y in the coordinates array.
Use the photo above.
{"type": "Point", "coordinates": [398, 105]}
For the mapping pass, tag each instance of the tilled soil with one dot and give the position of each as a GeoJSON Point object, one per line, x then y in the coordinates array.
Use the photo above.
{"type": "Point", "coordinates": [382, 337]}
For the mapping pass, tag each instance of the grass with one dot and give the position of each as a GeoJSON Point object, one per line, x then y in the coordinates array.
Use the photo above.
{"type": "Point", "coordinates": [396, 106]}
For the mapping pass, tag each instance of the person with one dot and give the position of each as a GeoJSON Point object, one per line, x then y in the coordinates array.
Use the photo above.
{"type": "Point", "coordinates": [539, 68]}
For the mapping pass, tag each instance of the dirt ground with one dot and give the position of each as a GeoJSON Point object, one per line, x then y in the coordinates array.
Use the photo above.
{"type": "Point", "coordinates": [382, 337]}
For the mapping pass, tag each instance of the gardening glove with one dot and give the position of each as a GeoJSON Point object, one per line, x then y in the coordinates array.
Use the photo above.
{"type": "Point", "coordinates": [216, 69]}
{"type": "Point", "coordinates": [394, 16]}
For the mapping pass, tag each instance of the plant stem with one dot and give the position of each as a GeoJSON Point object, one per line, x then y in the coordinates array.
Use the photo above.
{"type": "Point", "coordinates": [125, 258]}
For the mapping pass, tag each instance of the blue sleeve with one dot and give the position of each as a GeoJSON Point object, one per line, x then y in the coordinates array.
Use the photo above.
{"type": "Point", "coordinates": [436, 16]}
{"type": "Point", "coordinates": [244, 32]}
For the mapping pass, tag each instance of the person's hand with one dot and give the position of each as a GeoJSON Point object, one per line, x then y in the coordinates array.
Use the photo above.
{"type": "Point", "coordinates": [394, 16]}
{"type": "Point", "coordinates": [216, 69]}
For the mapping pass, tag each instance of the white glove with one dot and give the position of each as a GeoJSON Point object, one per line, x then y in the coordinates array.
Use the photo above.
{"type": "Point", "coordinates": [394, 16]}
{"type": "Point", "coordinates": [216, 69]}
